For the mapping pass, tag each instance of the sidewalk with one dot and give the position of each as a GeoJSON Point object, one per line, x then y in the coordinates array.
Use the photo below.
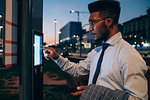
{"type": "Point", "coordinates": [9, 84]}
{"type": "Point", "coordinates": [54, 84]}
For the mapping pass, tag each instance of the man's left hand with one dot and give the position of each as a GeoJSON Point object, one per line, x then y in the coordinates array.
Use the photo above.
{"type": "Point", "coordinates": [80, 90]}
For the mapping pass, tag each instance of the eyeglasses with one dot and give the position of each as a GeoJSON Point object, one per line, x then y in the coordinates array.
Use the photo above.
{"type": "Point", "coordinates": [93, 22]}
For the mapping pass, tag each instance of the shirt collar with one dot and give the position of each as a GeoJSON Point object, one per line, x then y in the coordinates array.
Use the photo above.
{"type": "Point", "coordinates": [114, 39]}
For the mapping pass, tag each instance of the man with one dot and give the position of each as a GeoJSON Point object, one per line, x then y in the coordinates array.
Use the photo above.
{"type": "Point", "coordinates": [121, 66]}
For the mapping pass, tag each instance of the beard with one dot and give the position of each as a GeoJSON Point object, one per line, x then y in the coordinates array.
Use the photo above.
{"type": "Point", "coordinates": [105, 36]}
{"type": "Point", "coordinates": [105, 33]}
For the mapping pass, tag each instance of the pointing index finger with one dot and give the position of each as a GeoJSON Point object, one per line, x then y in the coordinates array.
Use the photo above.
{"type": "Point", "coordinates": [43, 47]}
{"type": "Point", "coordinates": [48, 48]}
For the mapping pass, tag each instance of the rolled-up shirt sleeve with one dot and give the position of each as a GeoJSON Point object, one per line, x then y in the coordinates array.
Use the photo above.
{"type": "Point", "coordinates": [75, 69]}
{"type": "Point", "coordinates": [135, 82]}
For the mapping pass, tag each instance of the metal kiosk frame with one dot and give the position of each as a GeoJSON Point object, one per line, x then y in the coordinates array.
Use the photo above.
{"type": "Point", "coordinates": [37, 66]}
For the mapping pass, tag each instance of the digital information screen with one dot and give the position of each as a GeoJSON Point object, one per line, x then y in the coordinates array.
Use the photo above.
{"type": "Point", "coordinates": [38, 41]}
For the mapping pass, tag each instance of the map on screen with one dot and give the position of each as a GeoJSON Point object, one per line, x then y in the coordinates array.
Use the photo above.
{"type": "Point", "coordinates": [37, 50]}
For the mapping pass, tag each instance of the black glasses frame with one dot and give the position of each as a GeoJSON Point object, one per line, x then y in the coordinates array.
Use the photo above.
{"type": "Point", "coordinates": [93, 22]}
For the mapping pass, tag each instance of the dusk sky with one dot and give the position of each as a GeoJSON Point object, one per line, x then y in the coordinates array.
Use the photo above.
{"type": "Point", "coordinates": [60, 10]}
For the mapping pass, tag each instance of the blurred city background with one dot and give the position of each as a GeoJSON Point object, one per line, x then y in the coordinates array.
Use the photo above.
{"type": "Point", "coordinates": [65, 27]}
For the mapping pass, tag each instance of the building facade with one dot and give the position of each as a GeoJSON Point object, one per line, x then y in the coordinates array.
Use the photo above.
{"type": "Point", "coordinates": [137, 31]}
{"type": "Point", "coordinates": [2, 6]}
{"type": "Point", "coordinates": [9, 17]}
{"type": "Point", "coordinates": [9, 32]}
{"type": "Point", "coordinates": [69, 34]}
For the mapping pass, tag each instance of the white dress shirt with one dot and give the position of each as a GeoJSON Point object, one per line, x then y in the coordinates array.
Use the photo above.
{"type": "Point", "coordinates": [122, 68]}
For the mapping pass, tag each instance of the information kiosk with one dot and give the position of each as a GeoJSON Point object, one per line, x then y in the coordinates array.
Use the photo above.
{"type": "Point", "coordinates": [38, 65]}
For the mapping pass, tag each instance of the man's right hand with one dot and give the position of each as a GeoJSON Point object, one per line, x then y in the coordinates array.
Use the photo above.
{"type": "Point", "coordinates": [53, 54]}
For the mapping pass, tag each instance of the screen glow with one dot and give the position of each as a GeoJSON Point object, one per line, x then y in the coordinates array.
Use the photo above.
{"type": "Point", "coordinates": [37, 50]}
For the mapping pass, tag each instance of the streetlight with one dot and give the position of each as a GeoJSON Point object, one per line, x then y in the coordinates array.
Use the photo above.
{"type": "Point", "coordinates": [0, 16]}
{"type": "Point", "coordinates": [78, 13]}
{"type": "Point", "coordinates": [59, 32]}
{"type": "Point", "coordinates": [55, 21]}
{"type": "Point", "coordinates": [1, 20]}
{"type": "Point", "coordinates": [1, 25]}
{"type": "Point", "coordinates": [72, 11]}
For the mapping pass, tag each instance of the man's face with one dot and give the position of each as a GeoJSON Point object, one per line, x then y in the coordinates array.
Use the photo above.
{"type": "Point", "coordinates": [97, 25]}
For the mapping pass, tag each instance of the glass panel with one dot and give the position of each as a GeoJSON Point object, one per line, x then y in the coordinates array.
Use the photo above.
{"type": "Point", "coordinates": [1, 31]}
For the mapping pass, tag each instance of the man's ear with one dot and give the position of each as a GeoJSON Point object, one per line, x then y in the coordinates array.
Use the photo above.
{"type": "Point", "coordinates": [109, 22]}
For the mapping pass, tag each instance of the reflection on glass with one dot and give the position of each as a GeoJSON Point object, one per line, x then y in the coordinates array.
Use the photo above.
{"type": "Point", "coordinates": [1, 30]}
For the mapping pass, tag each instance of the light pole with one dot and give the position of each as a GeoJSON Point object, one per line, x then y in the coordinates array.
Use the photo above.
{"type": "Point", "coordinates": [55, 21]}
{"type": "Point", "coordinates": [72, 11]}
{"type": "Point", "coordinates": [78, 13]}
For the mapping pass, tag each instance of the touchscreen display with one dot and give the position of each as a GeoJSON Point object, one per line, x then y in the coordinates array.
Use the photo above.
{"type": "Point", "coordinates": [37, 50]}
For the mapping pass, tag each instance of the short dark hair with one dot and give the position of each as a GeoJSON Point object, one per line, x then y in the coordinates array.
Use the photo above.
{"type": "Point", "coordinates": [109, 7]}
